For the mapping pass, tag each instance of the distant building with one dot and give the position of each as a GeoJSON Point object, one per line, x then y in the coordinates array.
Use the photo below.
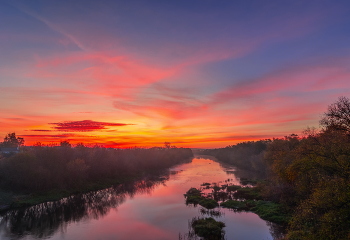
{"type": "Point", "coordinates": [8, 150]}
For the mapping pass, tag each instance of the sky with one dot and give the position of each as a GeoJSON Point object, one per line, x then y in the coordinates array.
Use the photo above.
{"type": "Point", "coordinates": [195, 73]}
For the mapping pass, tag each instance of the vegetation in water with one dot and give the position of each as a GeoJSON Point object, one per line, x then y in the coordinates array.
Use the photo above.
{"type": "Point", "coordinates": [252, 193]}
{"type": "Point", "coordinates": [193, 200]}
{"type": "Point", "coordinates": [193, 196]}
{"type": "Point", "coordinates": [206, 184]}
{"type": "Point", "coordinates": [240, 199]}
{"type": "Point", "coordinates": [267, 210]}
{"type": "Point", "coordinates": [232, 188]}
{"type": "Point", "coordinates": [208, 203]}
{"type": "Point", "coordinates": [234, 204]}
{"type": "Point", "coordinates": [272, 212]}
{"type": "Point", "coordinates": [208, 228]}
{"type": "Point", "coordinates": [246, 181]}
{"type": "Point", "coordinates": [216, 188]}
{"type": "Point", "coordinates": [193, 192]}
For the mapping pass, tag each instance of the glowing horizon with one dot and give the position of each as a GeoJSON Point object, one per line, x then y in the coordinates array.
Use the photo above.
{"type": "Point", "coordinates": [192, 73]}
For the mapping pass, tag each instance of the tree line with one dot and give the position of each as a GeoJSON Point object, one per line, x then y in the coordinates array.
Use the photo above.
{"type": "Point", "coordinates": [246, 155]}
{"type": "Point", "coordinates": [309, 176]}
{"type": "Point", "coordinates": [42, 168]}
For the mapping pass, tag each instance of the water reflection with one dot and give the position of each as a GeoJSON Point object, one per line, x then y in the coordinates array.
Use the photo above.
{"type": "Point", "coordinates": [152, 209]}
{"type": "Point", "coordinates": [277, 231]}
{"type": "Point", "coordinates": [44, 220]}
{"type": "Point", "coordinates": [211, 212]}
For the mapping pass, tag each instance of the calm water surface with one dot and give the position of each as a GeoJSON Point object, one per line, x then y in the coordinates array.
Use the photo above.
{"type": "Point", "coordinates": [149, 209]}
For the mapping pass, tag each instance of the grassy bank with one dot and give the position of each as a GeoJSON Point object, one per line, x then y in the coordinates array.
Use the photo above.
{"type": "Point", "coordinates": [18, 199]}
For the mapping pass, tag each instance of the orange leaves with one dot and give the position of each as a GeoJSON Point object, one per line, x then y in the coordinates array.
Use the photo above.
{"type": "Point", "coordinates": [313, 174]}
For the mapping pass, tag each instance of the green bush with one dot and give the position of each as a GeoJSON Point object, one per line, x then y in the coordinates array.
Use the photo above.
{"type": "Point", "coordinates": [208, 228]}
{"type": "Point", "coordinates": [233, 204]}
{"type": "Point", "coordinates": [208, 203]}
{"type": "Point", "coordinates": [232, 188]}
{"type": "Point", "coordinates": [248, 193]}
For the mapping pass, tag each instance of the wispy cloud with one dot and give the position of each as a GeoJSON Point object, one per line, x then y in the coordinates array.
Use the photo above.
{"type": "Point", "coordinates": [54, 26]}
{"type": "Point", "coordinates": [84, 126]}
{"type": "Point", "coordinates": [39, 130]}
{"type": "Point", "coordinates": [48, 136]}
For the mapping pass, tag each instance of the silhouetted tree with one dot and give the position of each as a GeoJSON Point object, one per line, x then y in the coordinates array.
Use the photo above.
{"type": "Point", "coordinates": [12, 141]}
{"type": "Point", "coordinates": [167, 145]}
{"type": "Point", "coordinates": [37, 144]}
{"type": "Point", "coordinates": [65, 144]}
{"type": "Point", "coordinates": [338, 116]}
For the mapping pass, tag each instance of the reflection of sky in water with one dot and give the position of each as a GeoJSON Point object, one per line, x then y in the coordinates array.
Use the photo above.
{"type": "Point", "coordinates": [163, 214]}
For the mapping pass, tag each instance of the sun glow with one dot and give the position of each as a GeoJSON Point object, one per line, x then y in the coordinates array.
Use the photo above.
{"type": "Point", "coordinates": [208, 80]}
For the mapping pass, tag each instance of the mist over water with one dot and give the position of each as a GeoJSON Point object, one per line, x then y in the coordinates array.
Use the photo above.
{"type": "Point", "coordinates": [153, 208]}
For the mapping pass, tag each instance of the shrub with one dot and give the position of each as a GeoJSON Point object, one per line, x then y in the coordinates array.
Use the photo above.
{"type": "Point", "coordinates": [208, 228]}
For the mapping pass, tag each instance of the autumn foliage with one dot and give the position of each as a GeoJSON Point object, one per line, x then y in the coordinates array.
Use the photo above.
{"type": "Point", "coordinates": [309, 176]}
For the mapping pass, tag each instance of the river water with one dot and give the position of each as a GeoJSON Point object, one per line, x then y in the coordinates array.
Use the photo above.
{"type": "Point", "coordinates": [151, 209]}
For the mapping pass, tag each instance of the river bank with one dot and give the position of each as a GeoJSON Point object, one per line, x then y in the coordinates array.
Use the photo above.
{"type": "Point", "coordinates": [156, 208]}
{"type": "Point", "coordinates": [10, 200]}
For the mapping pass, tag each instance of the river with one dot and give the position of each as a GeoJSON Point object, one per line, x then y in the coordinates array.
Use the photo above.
{"type": "Point", "coordinates": [152, 209]}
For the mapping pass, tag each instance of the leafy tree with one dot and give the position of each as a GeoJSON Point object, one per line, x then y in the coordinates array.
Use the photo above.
{"type": "Point", "coordinates": [311, 176]}
{"type": "Point", "coordinates": [77, 170]}
{"type": "Point", "coordinates": [12, 141]}
{"type": "Point", "coordinates": [321, 173]}
{"type": "Point", "coordinates": [65, 144]}
{"type": "Point", "coordinates": [80, 145]}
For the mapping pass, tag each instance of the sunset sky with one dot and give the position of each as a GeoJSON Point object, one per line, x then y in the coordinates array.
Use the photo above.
{"type": "Point", "coordinates": [195, 73]}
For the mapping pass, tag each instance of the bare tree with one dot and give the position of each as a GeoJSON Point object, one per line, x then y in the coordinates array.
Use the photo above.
{"type": "Point", "coordinates": [338, 116]}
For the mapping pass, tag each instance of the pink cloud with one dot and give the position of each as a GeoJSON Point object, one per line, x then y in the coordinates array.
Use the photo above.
{"type": "Point", "coordinates": [105, 68]}
{"type": "Point", "coordinates": [300, 79]}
